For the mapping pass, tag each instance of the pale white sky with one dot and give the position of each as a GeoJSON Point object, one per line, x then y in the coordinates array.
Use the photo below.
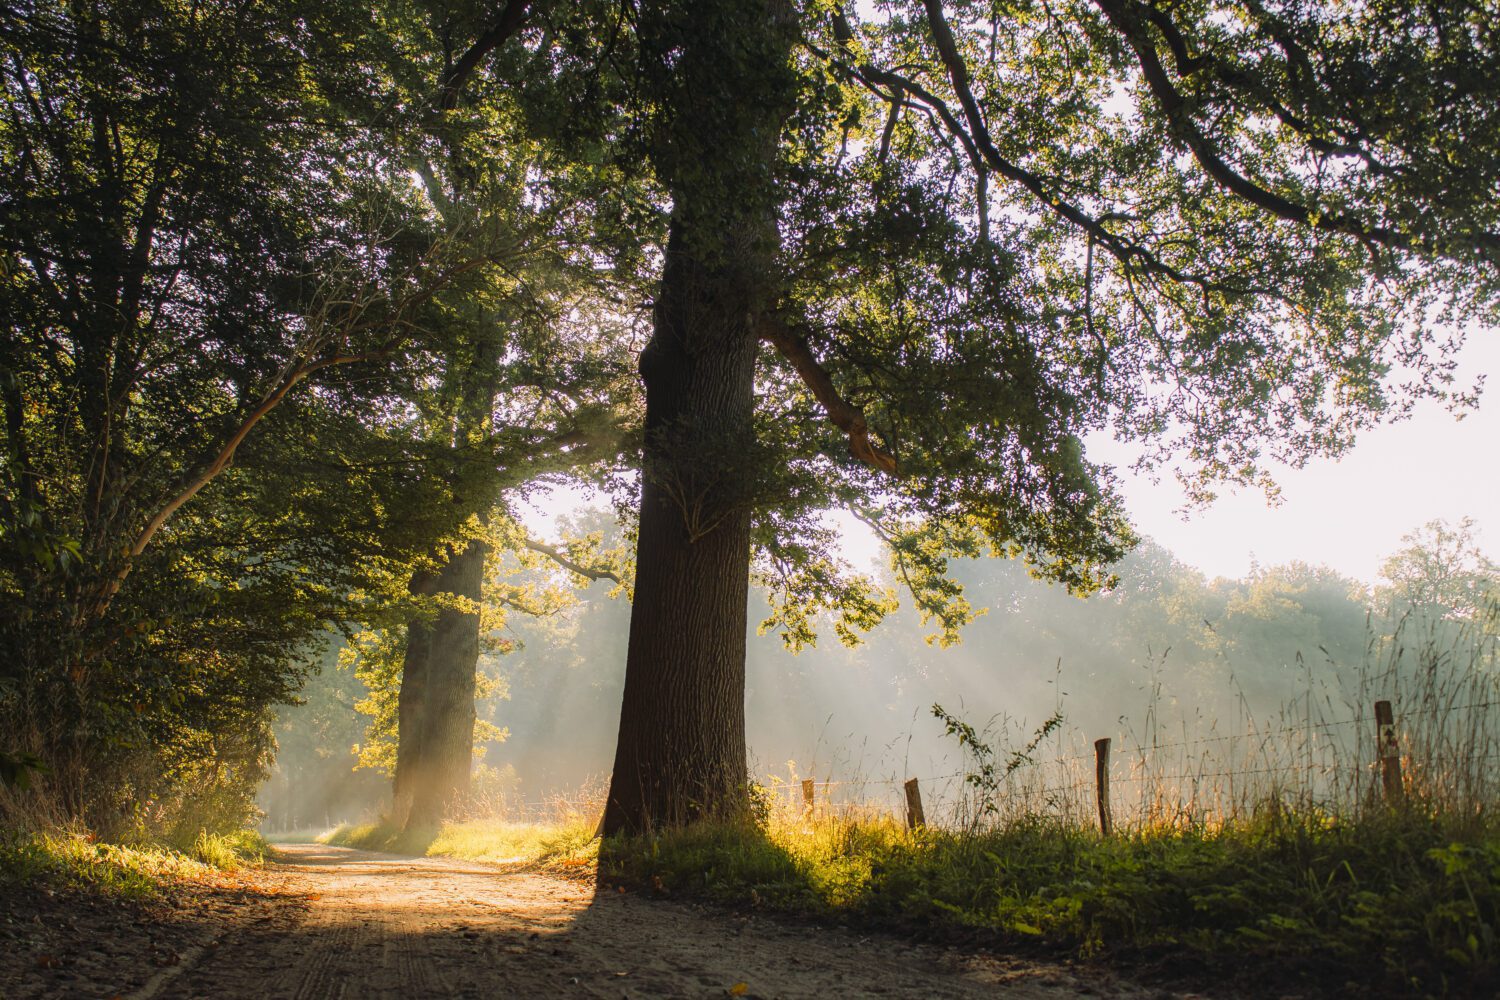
{"type": "Point", "coordinates": [1348, 515]}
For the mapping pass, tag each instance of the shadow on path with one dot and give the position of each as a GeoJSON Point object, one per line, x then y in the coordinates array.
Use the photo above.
{"type": "Point", "coordinates": [383, 925]}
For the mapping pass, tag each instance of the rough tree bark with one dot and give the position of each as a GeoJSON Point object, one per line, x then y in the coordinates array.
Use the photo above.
{"type": "Point", "coordinates": [435, 714]}
{"type": "Point", "coordinates": [411, 700]}
{"type": "Point", "coordinates": [681, 750]}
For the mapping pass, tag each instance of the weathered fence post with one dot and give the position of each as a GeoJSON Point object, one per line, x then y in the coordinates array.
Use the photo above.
{"type": "Point", "coordinates": [1389, 749]}
{"type": "Point", "coordinates": [1101, 777]}
{"type": "Point", "coordinates": [914, 815]}
{"type": "Point", "coordinates": [807, 796]}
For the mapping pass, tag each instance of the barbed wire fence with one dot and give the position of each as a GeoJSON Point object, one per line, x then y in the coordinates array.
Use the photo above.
{"type": "Point", "coordinates": [1431, 743]}
{"type": "Point", "coordinates": [1338, 766]}
{"type": "Point", "coordinates": [1418, 721]}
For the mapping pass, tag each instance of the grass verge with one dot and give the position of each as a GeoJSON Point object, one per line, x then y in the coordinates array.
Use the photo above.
{"type": "Point", "coordinates": [569, 844]}
{"type": "Point", "coordinates": [1391, 903]}
{"type": "Point", "coordinates": [75, 861]}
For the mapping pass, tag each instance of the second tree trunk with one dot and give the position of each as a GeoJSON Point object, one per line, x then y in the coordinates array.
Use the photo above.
{"type": "Point", "coordinates": [436, 708]}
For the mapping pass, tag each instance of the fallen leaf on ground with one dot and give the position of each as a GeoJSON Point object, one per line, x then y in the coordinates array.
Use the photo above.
{"type": "Point", "coordinates": [739, 989]}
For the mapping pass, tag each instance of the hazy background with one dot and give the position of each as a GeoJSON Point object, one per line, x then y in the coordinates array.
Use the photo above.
{"type": "Point", "coordinates": [1168, 655]}
{"type": "Point", "coordinates": [1223, 616]}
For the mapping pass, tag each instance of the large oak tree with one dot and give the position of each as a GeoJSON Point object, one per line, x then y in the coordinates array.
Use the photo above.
{"type": "Point", "coordinates": [530, 376]}
{"type": "Point", "coordinates": [912, 262]}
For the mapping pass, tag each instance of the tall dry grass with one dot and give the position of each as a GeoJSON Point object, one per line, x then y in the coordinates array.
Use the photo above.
{"type": "Point", "coordinates": [1315, 754]}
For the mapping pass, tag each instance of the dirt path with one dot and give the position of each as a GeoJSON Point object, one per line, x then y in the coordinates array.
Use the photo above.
{"type": "Point", "coordinates": [378, 925]}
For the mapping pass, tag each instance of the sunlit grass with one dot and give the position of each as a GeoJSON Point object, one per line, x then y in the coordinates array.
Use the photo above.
{"type": "Point", "coordinates": [75, 860]}
{"type": "Point", "coordinates": [569, 843]}
{"type": "Point", "coordinates": [229, 851]}
{"type": "Point", "coordinates": [1392, 899]}
{"type": "Point", "coordinates": [1396, 899]}
{"type": "Point", "coordinates": [481, 840]}
{"type": "Point", "coordinates": [303, 836]}
{"type": "Point", "coordinates": [562, 834]}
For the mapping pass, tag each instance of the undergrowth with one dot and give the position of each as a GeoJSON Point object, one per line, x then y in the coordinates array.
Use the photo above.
{"type": "Point", "coordinates": [1392, 900]}
{"type": "Point", "coordinates": [76, 861]}
{"type": "Point", "coordinates": [1396, 902]}
{"type": "Point", "coordinates": [569, 843]}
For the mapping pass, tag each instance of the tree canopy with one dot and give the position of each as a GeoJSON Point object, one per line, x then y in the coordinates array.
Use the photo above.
{"type": "Point", "coordinates": [293, 295]}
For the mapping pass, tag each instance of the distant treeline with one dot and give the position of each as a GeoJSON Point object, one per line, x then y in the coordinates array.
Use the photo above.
{"type": "Point", "coordinates": [1166, 647]}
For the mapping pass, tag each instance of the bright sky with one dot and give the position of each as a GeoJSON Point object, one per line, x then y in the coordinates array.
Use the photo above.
{"type": "Point", "coordinates": [1348, 515]}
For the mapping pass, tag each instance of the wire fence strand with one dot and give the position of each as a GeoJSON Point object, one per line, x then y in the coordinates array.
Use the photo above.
{"type": "Point", "coordinates": [1328, 755]}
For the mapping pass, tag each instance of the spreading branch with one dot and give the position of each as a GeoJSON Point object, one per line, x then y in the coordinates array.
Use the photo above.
{"type": "Point", "coordinates": [1135, 21]}
{"type": "Point", "coordinates": [570, 564]}
{"type": "Point", "coordinates": [985, 157]}
{"type": "Point", "coordinates": [510, 21]}
{"type": "Point", "coordinates": [845, 415]}
{"type": "Point", "coordinates": [1172, 103]}
{"type": "Point", "coordinates": [303, 365]}
{"type": "Point", "coordinates": [221, 460]}
{"type": "Point", "coordinates": [1130, 18]}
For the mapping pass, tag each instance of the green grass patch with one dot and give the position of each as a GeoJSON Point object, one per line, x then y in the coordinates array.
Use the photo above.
{"type": "Point", "coordinates": [228, 851]}
{"type": "Point", "coordinates": [1394, 902]}
{"type": "Point", "coordinates": [1391, 896]}
{"type": "Point", "coordinates": [74, 860]}
{"type": "Point", "coordinates": [569, 844]}
{"type": "Point", "coordinates": [305, 836]}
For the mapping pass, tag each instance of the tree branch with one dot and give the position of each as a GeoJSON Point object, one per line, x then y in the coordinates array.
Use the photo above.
{"type": "Point", "coordinates": [293, 373]}
{"type": "Point", "coordinates": [845, 415]}
{"type": "Point", "coordinates": [510, 21]}
{"type": "Point", "coordinates": [568, 563]}
{"type": "Point", "coordinates": [982, 153]}
{"type": "Point", "coordinates": [1125, 16]}
{"type": "Point", "coordinates": [225, 455]}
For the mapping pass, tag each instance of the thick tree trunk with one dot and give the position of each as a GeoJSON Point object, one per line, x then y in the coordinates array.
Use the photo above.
{"type": "Point", "coordinates": [411, 701]}
{"type": "Point", "coordinates": [724, 72]}
{"type": "Point", "coordinates": [681, 751]}
{"type": "Point", "coordinates": [439, 745]}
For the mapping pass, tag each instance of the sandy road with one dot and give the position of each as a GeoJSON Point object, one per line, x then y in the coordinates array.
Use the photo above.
{"type": "Point", "coordinates": [384, 926]}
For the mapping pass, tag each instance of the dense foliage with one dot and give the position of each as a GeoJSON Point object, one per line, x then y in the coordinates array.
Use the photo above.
{"type": "Point", "coordinates": [241, 310]}
{"type": "Point", "coordinates": [183, 244]}
{"type": "Point", "coordinates": [294, 294]}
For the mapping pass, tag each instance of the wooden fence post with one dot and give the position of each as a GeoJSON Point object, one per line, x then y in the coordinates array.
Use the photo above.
{"type": "Point", "coordinates": [807, 796]}
{"type": "Point", "coordinates": [914, 815]}
{"type": "Point", "coordinates": [1101, 777]}
{"type": "Point", "coordinates": [1389, 749]}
